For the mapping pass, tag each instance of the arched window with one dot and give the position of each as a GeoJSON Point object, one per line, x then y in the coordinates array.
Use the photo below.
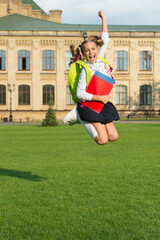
{"type": "Point", "coordinates": [2, 95]}
{"type": "Point", "coordinates": [69, 97]}
{"type": "Point", "coordinates": [23, 60]}
{"type": "Point", "coordinates": [145, 61]}
{"type": "Point", "coordinates": [24, 95]}
{"type": "Point", "coordinates": [121, 60]}
{"type": "Point", "coordinates": [48, 92]}
{"type": "Point", "coordinates": [48, 60]}
{"type": "Point", "coordinates": [2, 60]}
{"type": "Point", "coordinates": [121, 94]}
{"type": "Point", "coordinates": [68, 57]}
{"type": "Point", "coordinates": [145, 95]}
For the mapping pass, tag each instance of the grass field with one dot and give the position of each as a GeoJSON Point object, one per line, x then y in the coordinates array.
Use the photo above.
{"type": "Point", "coordinates": [57, 184]}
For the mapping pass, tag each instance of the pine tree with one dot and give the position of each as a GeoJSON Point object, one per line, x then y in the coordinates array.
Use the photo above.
{"type": "Point", "coordinates": [50, 119]}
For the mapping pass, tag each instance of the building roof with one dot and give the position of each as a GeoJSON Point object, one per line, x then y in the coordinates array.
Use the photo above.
{"type": "Point", "coordinates": [34, 5]}
{"type": "Point", "coordinates": [16, 22]}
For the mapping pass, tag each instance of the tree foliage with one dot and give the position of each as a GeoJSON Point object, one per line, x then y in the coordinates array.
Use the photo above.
{"type": "Point", "coordinates": [50, 119]}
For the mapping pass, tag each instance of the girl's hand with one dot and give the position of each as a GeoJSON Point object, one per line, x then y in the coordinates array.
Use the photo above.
{"type": "Point", "coordinates": [101, 14]}
{"type": "Point", "coordinates": [104, 21]}
{"type": "Point", "coordinates": [104, 99]}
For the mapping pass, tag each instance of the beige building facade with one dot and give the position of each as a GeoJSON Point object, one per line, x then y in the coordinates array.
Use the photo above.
{"type": "Point", "coordinates": [34, 56]}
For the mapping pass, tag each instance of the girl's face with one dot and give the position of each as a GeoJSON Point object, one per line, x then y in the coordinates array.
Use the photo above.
{"type": "Point", "coordinates": [90, 51]}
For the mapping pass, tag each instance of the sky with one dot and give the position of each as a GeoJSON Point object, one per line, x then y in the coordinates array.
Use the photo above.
{"type": "Point", "coordinates": [119, 12]}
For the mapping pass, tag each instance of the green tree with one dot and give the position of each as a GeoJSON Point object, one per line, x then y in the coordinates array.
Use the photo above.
{"type": "Point", "coordinates": [50, 119]}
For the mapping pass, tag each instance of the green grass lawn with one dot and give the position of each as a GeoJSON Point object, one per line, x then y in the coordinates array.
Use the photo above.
{"type": "Point", "coordinates": [57, 184]}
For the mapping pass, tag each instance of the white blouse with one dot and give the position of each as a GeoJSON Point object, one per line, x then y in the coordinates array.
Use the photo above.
{"type": "Point", "coordinates": [81, 93]}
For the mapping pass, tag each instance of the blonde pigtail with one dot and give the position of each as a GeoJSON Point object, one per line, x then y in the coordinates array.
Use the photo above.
{"type": "Point", "coordinates": [97, 40]}
{"type": "Point", "coordinates": [100, 42]}
{"type": "Point", "coordinates": [75, 50]}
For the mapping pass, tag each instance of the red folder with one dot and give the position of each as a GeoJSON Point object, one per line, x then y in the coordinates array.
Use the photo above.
{"type": "Point", "coordinates": [100, 84]}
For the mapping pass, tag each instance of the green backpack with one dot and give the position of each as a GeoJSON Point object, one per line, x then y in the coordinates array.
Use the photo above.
{"type": "Point", "coordinates": [73, 75]}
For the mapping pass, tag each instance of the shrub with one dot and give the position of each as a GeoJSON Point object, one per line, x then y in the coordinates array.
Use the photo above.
{"type": "Point", "coordinates": [50, 119]}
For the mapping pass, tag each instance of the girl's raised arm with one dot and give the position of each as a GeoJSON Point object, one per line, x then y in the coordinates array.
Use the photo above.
{"type": "Point", "coordinates": [104, 21]}
{"type": "Point", "coordinates": [104, 35]}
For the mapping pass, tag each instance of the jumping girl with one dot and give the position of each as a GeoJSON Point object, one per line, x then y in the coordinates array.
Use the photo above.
{"type": "Point", "coordinates": [99, 123]}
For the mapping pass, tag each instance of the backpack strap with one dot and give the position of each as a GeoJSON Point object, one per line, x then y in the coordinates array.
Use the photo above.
{"type": "Point", "coordinates": [110, 68]}
{"type": "Point", "coordinates": [87, 68]}
{"type": "Point", "coordinates": [104, 60]}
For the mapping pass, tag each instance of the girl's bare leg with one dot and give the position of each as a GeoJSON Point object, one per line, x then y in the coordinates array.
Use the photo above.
{"type": "Point", "coordinates": [112, 132]}
{"type": "Point", "coordinates": [106, 132]}
{"type": "Point", "coordinates": [102, 137]}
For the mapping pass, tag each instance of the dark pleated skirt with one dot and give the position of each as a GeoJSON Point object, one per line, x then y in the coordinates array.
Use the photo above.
{"type": "Point", "coordinates": [108, 113]}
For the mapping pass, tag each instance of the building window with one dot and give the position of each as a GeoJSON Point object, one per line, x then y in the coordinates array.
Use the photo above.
{"type": "Point", "coordinates": [48, 60]}
{"type": "Point", "coordinates": [121, 60]}
{"type": "Point", "coordinates": [23, 60]}
{"type": "Point", "coordinates": [24, 95]}
{"type": "Point", "coordinates": [2, 95]}
{"type": "Point", "coordinates": [48, 91]}
{"type": "Point", "coordinates": [69, 97]}
{"type": "Point", "coordinates": [145, 95]}
{"type": "Point", "coordinates": [121, 94]}
{"type": "Point", "coordinates": [2, 60]}
{"type": "Point", "coordinates": [68, 57]}
{"type": "Point", "coordinates": [145, 61]}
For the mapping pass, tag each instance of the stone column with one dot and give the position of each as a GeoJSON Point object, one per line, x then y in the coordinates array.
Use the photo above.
{"type": "Point", "coordinates": [133, 82]}
{"type": "Point", "coordinates": [12, 68]}
{"type": "Point", "coordinates": [36, 91]}
{"type": "Point", "coordinates": [60, 77]}
{"type": "Point", "coordinates": [156, 90]}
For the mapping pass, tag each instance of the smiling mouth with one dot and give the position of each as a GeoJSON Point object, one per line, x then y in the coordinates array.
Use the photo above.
{"type": "Point", "coordinates": [92, 58]}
